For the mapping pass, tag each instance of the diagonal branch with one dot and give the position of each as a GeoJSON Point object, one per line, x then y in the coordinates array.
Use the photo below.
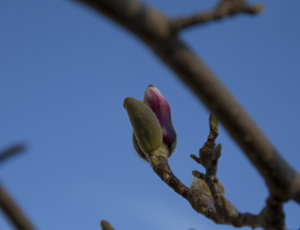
{"type": "Point", "coordinates": [155, 29]}
{"type": "Point", "coordinates": [7, 204]}
{"type": "Point", "coordinates": [13, 212]}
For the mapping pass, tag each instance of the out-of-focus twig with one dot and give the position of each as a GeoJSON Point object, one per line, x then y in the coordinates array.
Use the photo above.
{"type": "Point", "coordinates": [13, 212]}
{"type": "Point", "coordinates": [9, 207]}
{"type": "Point", "coordinates": [11, 151]}
{"type": "Point", "coordinates": [224, 9]}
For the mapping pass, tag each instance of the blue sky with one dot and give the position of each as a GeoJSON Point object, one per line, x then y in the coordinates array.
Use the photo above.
{"type": "Point", "coordinates": [65, 71]}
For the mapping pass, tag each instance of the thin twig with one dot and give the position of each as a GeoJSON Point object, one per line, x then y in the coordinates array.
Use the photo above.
{"type": "Point", "coordinates": [154, 29]}
{"type": "Point", "coordinates": [198, 199]}
{"type": "Point", "coordinates": [271, 217]}
{"type": "Point", "coordinates": [11, 151]}
{"type": "Point", "coordinates": [13, 212]}
{"type": "Point", "coordinates": [224, 9]}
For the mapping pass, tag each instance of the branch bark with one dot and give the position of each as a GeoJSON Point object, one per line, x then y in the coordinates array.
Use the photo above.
{"type": "Point", "coordinates": [224, 9]}
{"type": "Point", "coordinates": [271, 217]}
{"type": "Point", "coordinates": [13, 212]}
{"type": "Point", "coordinates": [155, 29]}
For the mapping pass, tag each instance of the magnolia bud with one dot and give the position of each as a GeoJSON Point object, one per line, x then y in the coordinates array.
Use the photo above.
{"type": "Point", "coordinates": [159, 105]}
{"type": "Point", "coordinates": [145, 125]}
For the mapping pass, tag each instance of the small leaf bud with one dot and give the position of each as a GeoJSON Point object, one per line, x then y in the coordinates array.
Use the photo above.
{"type": "Point", "coordinates": [213, 123]}
{"type": "Point", "coordinates": [217, 152]}
{"type": "Point", "coordinates": [198, 183]}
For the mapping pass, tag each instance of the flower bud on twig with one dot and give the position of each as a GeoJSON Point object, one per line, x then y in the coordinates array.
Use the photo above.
{"type": "Point", "coordinates": [152, 124]}
{"type": "Point", "coordinates": [159, 105]}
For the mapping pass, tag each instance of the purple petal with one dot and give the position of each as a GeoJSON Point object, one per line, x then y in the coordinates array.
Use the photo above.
{"type": "Point", "coordinates": [159, 105]}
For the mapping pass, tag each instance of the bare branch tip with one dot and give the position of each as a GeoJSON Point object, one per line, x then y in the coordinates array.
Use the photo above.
{"type": "Point", "coordinates": [12, 151]}
{"type": "Point", "coordinates": [194, 158]}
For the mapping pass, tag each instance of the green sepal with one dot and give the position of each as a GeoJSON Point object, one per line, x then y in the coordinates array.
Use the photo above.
{"type": "Point", "coordinates": [138, 149]}
{"type": "Point", "coordinates": [145, 125]}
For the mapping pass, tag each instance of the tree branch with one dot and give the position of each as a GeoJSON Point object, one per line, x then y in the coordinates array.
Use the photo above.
{"type": "Point", "coordinates": [7, 204]}
{"type": "Point", "coordinates": [222, 213]}
{"type": "Point", "coordinates": [13, 212]}
{"type": "Point", "coordinates": [155, 29]}
{"type": "Point", "coordinates": [11, 151]}
{"type": "Point", "coordinates": [224, 9]}
{"type": "Point", "coordinates": [271, 217]}
{"type": "Point", "coordinates": [198, 199]}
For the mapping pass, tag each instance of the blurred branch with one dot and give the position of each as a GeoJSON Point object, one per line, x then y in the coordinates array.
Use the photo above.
{"type": "Point", "coordinates": [11, 151]}
{"type": "Point", "coordinates": [224, 9]}
{"type": "Point", "coordinates": [13, 212]}
{"type": "Point", "coordinates": [155, 29]}
{"type": "Point", "coordinates": [7, 204]}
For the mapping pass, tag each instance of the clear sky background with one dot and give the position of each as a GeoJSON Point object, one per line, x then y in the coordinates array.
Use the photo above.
{"type": "Point", "coordinates": [64, 73]}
